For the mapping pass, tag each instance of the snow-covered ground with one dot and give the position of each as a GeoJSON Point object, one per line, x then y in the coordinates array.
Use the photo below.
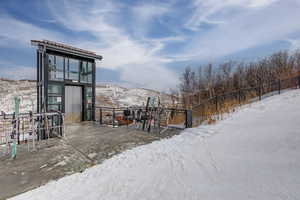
{"type": "Point", "coordinates": [253, 154]}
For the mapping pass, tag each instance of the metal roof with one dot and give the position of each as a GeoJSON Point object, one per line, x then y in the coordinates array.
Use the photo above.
{"type": "Point", "coordinates": [65, 48]}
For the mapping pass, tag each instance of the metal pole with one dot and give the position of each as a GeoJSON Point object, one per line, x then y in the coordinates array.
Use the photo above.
{"type": "Point", "coordinates": [279, 86]}
{"type": "Point", "coordinates": [239, 93]}
{"type": "Point", "coordinates": [113, 117]}
{"type": "Point", "coordinates": [186, 119]}
{"type": "Point", "coordinates": [216, 103]}
{"type": "Point", "coordinates": [100, 116]}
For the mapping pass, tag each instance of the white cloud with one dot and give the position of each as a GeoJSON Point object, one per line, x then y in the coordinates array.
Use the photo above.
{"type": "Point", "coordinates": [150, 75]}
{"type": "Point", "coordinates": [294, 44]}
{"type": "Point", "coordinates": [146, 12]}
{"type": "Point", "coordinates": [126, 46]}
{"type": "Point", "coordinates": [212, 11]}
{"type": "Point", "coordinates": [119, 50]}
{"type": "Point", "coordinates": [18, 33]}
{"type": "Point", "coordinates": [250, 29]}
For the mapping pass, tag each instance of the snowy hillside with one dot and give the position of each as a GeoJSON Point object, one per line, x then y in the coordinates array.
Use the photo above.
{"type": "Point", "coordinates": [109, 94]}
{"type": "Point", "coordinates": [25, 89]}
{"type": "Point", "coordinates": [253, 154]}
{"type": "Point", "coordinates": [106, 95]}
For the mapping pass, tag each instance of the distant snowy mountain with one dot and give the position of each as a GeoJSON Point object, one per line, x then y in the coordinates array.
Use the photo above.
{"type": "Point", "coordinates": [106, 95]}
{"type": "Point", "coordinates": [24, 89]}
{"type": "Point", "coordinates": [109, 94]}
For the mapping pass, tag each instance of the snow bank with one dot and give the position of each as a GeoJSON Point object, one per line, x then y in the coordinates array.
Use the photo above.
{"type": "Point", "coordinates": [254, 154]}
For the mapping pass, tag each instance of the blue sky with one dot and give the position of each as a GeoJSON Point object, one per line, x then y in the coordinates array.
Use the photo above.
{"type": "Point", "coordinates": [147, 43]}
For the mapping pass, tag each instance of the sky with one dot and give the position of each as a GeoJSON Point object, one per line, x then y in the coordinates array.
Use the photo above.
{"type": "Point", "coordinates": [147, 43]}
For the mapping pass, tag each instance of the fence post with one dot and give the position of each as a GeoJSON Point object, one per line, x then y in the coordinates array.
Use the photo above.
{"type": "Point", "coordinates": [239, 94]}
{"type": "Point", "coordinates": [113, 117]}
{"type": "Point", "coordinates": [188, 118]}
{"type": "Point", "coordinates": [299, 81]}
{"type": "Point", "coordinates": [216, 102]}
{"type": "Point", "coordinates": [279, 86]}
{"type": "Point", "coordinates": [259, 91]}
{"type": "Point", "coordinates": [100, 119]}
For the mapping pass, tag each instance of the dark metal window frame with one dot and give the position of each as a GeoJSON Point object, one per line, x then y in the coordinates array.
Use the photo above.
{"type": "Point", "coordinates": [43, 77]}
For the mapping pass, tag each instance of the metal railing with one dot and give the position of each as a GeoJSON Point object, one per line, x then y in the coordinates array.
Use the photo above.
{"type": "Point", "coordinates": [147, 119]}
{"type": "Point", "coordinates": [30, 127]}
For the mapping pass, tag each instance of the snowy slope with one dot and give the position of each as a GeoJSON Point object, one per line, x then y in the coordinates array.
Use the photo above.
{"type": "Point", "coordinates": [116, 95]}
{"type": "Point", "coordinates": [25, 90]}
{"type": "Point", "coordinates": [253, 154]}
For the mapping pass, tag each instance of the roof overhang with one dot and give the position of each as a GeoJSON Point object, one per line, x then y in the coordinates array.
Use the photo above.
{"type": "Point", "coordinates": [55, 46]}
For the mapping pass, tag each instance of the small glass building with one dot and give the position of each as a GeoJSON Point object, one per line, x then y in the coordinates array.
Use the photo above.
{"type": "Point", "coordinates": [66, 80]}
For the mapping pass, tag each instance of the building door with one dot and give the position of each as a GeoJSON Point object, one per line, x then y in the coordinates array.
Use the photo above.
{"type": "Point", "coordinates": [73, 104]}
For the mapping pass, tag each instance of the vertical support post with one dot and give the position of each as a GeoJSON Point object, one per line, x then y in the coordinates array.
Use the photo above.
{"type": "Point", "coordinates": [17, 110]}
{"type": "Point", "coordinates": [188, 119]}
{"type": "Point", "coordinates": [299, 81]}
{"type": "Point", "coordinates": [113, 117]}
{"type": "Point", "coordinates": [239, 96]}
{"type": "Point", "coordinates": [93, 91]}
{"type": "Point", "coordinates": [216, 102]}
{"type": "Point", "coordinates": [100, 119]}
{"type": "Point", "coordinates": [259, 90]}
{"type": "Point", "coordinates": [146, 113]}
{"type": "Point", "coordinates": [279, 86]}
{"type": "Point", "coordinates": [38, 80]}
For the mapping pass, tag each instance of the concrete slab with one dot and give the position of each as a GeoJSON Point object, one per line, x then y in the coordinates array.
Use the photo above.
{"type": "Point", "coordinates": [85, 145]}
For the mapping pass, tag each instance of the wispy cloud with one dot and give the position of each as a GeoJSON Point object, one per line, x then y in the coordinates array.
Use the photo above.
{"type": "Point", "coordinates": [120, 50]}
{"type": "Point", "coordinates": [18, 33]}
{"type": "Point", "coordinates": [220, 11]}
{"type": "Point", "coordinates": [142, 40]}
{"type": "Point", "coordinates": [251, 28]}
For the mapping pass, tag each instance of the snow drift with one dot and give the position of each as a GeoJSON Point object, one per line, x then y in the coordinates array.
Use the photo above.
{"type": "Point", "coordinates": [253, 154]}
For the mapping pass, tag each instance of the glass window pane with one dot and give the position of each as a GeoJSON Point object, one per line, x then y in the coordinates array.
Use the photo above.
{"type": "Point", "coordinates": [54, 89]}
{"type": "Point", "coordinates": [66, 68]}
{"type": "Point", "coordinates": [56, 67]}
{"type": "Point", "coordinates": [73, 69]}
{"type": "Point", "coordinates": [54, 100]}
{"type": "Point", "coordinates": [54, 107]}
{"type": "Point", "coordinates": [83, 73]}
{"type": "Point", "coordinates": [90, 71]}
{"type": "Point", "coordinates": [88, 103]}
{"type": "Point", "coordinates": [54, 97]}
{"type": "Point", "coordinates": [88, 92]}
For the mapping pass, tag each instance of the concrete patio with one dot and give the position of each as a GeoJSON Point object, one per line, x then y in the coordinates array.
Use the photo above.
{"type": "Point", "coordinates": [85, 145]}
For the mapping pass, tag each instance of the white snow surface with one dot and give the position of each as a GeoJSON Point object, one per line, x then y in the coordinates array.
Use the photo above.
{"type": "Point", "coordinates": [253, 154]}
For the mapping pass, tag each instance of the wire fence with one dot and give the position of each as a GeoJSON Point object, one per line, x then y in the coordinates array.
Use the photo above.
{"type": "Point", "coordinates": [212, 109]}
